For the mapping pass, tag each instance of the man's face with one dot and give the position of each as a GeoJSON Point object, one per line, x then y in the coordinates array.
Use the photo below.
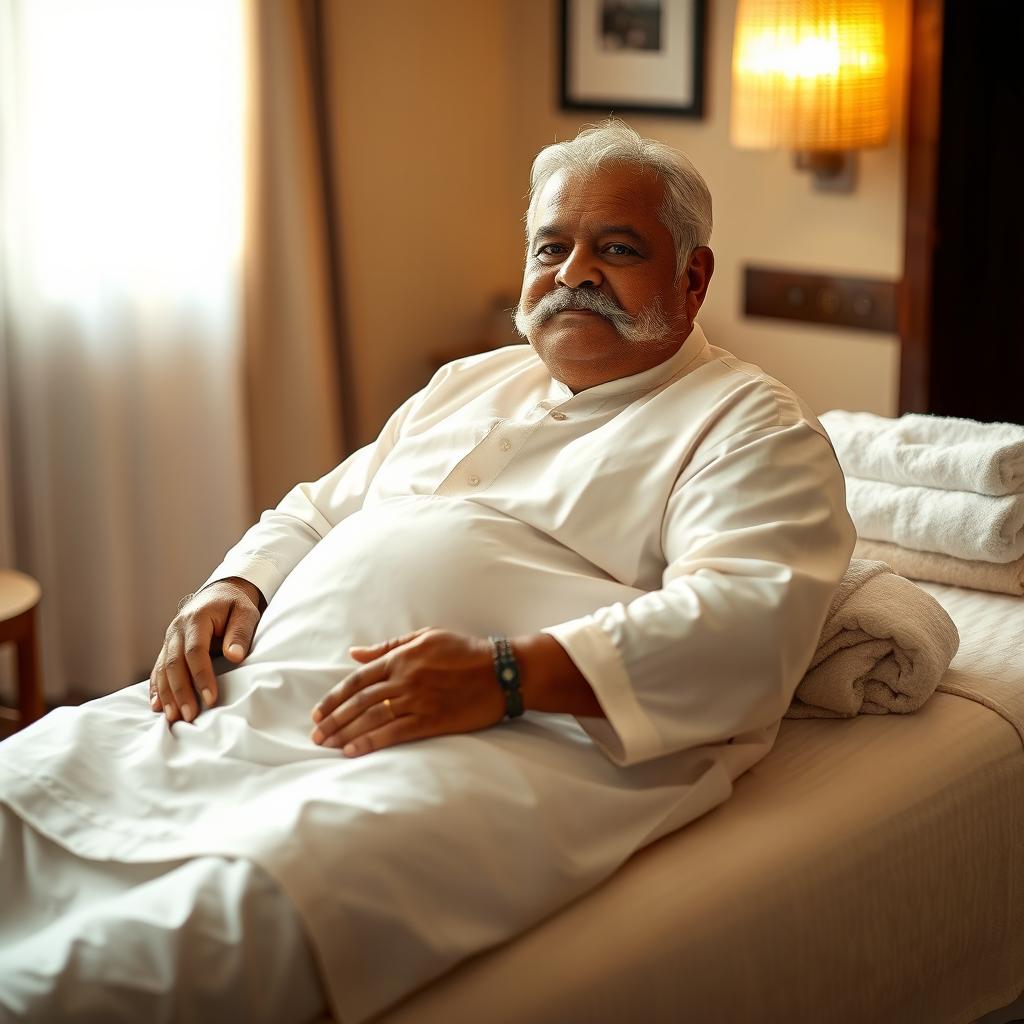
{"type": "Point", "coordinates": [600, 234]}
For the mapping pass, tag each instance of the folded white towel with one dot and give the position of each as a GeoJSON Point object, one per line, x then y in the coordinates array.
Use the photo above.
{"type": "Point", "coordinates": [931, 451]}
{"type": "Point", "coordinates": [884, 647]}
{"type": "Point", "coordinates": [977, 527]}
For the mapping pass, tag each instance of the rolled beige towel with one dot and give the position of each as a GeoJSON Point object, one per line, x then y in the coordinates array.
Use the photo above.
{"type": "Point", "coordinates": [884, 648]}
{"type": "Point", "coordinates": [996, 577]}
{"type": "Point", "coordinates": [931, 451]}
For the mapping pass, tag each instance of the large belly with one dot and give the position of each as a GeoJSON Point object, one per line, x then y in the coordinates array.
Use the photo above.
{"type": "Point", "coordinates": [425, 561]}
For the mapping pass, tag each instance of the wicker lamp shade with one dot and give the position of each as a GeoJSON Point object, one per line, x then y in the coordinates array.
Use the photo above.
{"type": "Point", "coordinates": [809, 75]}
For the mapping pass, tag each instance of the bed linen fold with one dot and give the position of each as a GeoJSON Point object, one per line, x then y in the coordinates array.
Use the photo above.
{"type": "Point", "coordinates": [989, 666]}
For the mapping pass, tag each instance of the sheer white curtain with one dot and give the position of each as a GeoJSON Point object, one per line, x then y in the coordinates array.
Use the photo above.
{"type": "Point", "coordinates": [122, 468]}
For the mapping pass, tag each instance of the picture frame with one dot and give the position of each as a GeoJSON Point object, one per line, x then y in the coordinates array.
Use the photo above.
{"type": "Point", "coordinates": [638, 56]}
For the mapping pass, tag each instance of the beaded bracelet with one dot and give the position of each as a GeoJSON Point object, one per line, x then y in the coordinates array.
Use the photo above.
{"type": "Point", "coordinates": [506, 668]}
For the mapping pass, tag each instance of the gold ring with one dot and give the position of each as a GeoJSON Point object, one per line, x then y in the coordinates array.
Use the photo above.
{"type": "Point", "coordinates": [391, 710]}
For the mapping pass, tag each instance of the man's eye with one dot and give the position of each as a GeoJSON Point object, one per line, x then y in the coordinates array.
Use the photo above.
{"type": "Point", "coordinates": [620, 249]}
{"type": "Point", "coordinates": [551, 249]}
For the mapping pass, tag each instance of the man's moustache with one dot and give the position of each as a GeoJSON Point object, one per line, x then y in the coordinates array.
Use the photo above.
{"type": "Point", "coordinates": [583, 299]}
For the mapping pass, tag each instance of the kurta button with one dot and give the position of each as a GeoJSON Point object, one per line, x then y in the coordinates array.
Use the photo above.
{"type": "Point", "coordinates": [474, 480]}
{"type": "Point", "coordinates": [556, 415]}
{"type": "Point", "coordinates": [506, 445]}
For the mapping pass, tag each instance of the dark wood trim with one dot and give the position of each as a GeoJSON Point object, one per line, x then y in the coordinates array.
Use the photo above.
{"type": "Point", "coordinates": [861, 303]}
{"type": "Point", "coordinates": [923, 124]}
{"type": "Point", "coordinates": [21, 631]}
{"type": "Point", "coordinates": [315, 25]}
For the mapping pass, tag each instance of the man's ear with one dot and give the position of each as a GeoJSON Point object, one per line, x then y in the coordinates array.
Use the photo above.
{"type": "Point", "coordinates": [695, 280]}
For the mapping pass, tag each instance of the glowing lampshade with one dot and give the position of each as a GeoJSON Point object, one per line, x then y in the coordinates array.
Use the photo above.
{"type": "Point", "coordinates": [809, 75]}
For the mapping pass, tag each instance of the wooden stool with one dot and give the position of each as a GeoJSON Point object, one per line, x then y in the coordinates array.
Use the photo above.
{"type": "Point", "coordinates": [19, 596]}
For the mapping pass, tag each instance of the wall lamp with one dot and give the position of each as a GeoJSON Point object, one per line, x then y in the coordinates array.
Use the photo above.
{"type": "Point", "coordinates": [810, 76]}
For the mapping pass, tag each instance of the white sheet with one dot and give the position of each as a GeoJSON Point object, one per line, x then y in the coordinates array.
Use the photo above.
{"type": "Point", "coordinates": [96, 942]}
{"type": "Point", "coordinates": [989, 666]}
{"type": "Point", "coordinates": [409, 860]}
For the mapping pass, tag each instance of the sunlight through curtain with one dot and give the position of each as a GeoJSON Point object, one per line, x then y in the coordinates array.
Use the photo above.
{"type": "Point", "coordinates": [123, 475]}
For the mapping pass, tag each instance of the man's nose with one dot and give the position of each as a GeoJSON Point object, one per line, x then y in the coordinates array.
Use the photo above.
{"type": "Point", "coordinates": [580, 270]}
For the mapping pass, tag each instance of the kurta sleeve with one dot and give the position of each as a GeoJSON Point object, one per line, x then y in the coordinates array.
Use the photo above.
{"type": "Point", "coordinates": [756, 537]}
{"type": "Point", "coordinates": [284, 535]}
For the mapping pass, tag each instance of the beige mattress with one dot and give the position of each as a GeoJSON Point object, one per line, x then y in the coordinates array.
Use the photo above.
{"type": "Point", "coordinates": [867, 870]}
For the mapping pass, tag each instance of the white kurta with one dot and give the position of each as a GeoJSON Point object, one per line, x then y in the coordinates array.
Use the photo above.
{"type": "Point", "coordinates": [680, 532]}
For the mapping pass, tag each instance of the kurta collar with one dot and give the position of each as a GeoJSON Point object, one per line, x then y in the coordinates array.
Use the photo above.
{"type": "Point", "coordinates": [647, 380]}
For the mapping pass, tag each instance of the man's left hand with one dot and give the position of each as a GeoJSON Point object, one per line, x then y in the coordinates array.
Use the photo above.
{"type": "Point", "coordinates": [435, 682]}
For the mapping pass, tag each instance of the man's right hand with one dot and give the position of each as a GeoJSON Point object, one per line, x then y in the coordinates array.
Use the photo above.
{"type": "Point", "coordinates": [227, 610]}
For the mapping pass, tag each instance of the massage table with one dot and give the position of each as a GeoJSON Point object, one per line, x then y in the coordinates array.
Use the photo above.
{"type": "Point", "coordinates": [867, 871]}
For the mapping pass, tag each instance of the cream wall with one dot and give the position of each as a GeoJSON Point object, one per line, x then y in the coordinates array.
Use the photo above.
{"type": "Point", "coordinates": [420, 95]}
{"type": "Point", "coordinates": [439, 109]}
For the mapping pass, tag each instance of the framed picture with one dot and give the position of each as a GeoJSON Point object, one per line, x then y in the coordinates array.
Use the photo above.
{"type": "Point", "coordinates": [645, 56]}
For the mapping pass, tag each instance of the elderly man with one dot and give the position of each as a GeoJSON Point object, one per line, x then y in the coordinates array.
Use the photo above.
{"type": "Point", "coordinates": [550, 615]}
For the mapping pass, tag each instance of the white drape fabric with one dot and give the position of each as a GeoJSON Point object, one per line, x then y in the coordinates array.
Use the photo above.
{"type": "Point", "coordinates": [106, 944]}
{"type": "Point", "coordinates": [122, 469]}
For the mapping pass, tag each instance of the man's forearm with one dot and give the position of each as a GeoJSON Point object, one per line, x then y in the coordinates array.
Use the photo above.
{"type": "Point", "coordinates": [549, 679]}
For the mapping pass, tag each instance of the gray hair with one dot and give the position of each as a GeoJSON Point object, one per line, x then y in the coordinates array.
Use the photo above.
{"type": "Point", "coordinates": [686, 209]}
